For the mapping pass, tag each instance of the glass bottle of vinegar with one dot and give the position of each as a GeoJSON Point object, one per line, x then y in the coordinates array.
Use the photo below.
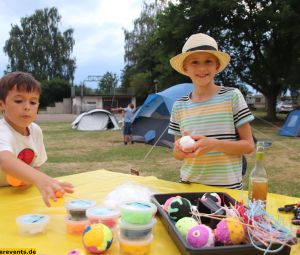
{"type": "Point", "coordinates": [258, 178]}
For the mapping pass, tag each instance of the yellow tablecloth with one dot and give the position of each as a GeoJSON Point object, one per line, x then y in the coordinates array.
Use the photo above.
{"type": "Point", "coordinates": [96, 185]}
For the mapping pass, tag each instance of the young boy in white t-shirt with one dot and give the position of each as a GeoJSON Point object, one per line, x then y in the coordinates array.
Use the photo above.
{"type": "Point", "coordinates": [22, 150]}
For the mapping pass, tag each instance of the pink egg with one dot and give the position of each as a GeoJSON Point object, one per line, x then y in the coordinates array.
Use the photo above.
{"type": "Point", "coordinates": [201, 236]}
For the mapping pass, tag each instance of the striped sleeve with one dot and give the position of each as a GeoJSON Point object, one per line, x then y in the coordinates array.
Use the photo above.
{"type": "Point", "coordinates": [241, 112]}
{"type": "Point", "coordinates": [174, 128]}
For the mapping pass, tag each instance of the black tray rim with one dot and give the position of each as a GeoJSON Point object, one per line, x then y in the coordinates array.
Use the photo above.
{"type": "Point", "coordinates": [183, 245]}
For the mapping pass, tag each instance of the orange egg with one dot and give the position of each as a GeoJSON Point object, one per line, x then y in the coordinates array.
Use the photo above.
{"type": "Point", "coordinates": [14, 181]}
{"type": "Point", "coordinates": [59, 194]}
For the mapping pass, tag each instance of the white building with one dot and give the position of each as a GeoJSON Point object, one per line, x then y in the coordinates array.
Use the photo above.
{"type": "Point", "coordinates": [80, 104]}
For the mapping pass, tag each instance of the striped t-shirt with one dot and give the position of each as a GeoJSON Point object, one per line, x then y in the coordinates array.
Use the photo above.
{"type": "Point", "coordinates": [218, 117]}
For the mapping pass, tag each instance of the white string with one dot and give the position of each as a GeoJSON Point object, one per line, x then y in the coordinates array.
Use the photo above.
{"type": "Point", "coordinates": [270, 138]}
{"type": "Point", "coordinates": [153, 146]}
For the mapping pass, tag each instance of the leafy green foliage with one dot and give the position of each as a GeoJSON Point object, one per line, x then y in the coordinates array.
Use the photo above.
{"type": "Point", "coordinates": [264, 43]}
{"type": "Point", "coordinates": [139, 46]}
{"type": "Point", "coordinates": [108, 83]}
{"type": "Point", "coordinates": [37, 46]}
{"type": "Point", "coordinates": [262, 38]}
{"type": "Point", "coordinates": [142, 85]}
{"type": "Point", "coordinates": [54, 91]}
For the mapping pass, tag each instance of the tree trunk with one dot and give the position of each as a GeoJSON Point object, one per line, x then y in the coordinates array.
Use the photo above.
{"type": "Point", "coordinates": [271, 100]}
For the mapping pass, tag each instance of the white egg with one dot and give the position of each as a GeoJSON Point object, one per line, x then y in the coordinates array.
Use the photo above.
{"type": "Point", "coordinates": [186, 141]}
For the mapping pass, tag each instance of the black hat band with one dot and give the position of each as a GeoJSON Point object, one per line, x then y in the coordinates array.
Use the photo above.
{"type": "Point", "coordinates": [202, 47]}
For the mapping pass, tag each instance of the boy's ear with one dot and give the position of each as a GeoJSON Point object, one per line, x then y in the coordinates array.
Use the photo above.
{"type": "Point", "coordinates": [184, 68]}
{"type": "Point", "coordinates": [218, 65]}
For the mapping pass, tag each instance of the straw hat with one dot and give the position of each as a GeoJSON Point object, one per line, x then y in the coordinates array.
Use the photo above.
{"type": "Point", "coordinates": [199, 43]}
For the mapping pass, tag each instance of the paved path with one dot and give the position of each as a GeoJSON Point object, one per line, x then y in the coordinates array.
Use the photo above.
{"type": "Point", "coordinates": [49, 117]}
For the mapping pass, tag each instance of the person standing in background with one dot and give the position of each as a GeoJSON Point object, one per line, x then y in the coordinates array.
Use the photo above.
{"type": "Point", "coordinates": [128, 117]}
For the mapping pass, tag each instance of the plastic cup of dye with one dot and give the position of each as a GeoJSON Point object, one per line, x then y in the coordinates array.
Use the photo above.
{"type": "Point", "coordinates": [75, 227]}
{"type": "Point", "coordinates": [77, 208]}
{"type": "Point", "coordinates": [136, 231]}
{"type": "Point", "coordinates": [104, 215]}
{"type": "Point", "coordinates": [137, 212]}
{"type": "Point", "coordinates": [32, 223]}
{"type": "Point", "coordinates": [135, 247]}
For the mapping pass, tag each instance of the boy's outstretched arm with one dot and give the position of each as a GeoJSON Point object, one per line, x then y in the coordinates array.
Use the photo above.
{"type": "Point", "coordinates": [45, 184]}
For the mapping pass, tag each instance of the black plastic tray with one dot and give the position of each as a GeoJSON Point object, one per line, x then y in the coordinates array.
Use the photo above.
{"type": "Point", "coordinates": [185, 248]}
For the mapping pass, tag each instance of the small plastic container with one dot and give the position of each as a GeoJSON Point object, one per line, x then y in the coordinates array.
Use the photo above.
{"type": "Point", "coordinates": [136, 232]}
{"type": "Point", "coordinates": [32, 223]}
{"type": "Point", "coordinates": [104, 215]}
{"type": "Point", "coordinates": [137, 212]}
{"type": "Point", "coordinates": [75, 227]}
{"type": "Point", "coordinates": [137, 247]}
{"type": "Point", "coordinates": [77, 208]}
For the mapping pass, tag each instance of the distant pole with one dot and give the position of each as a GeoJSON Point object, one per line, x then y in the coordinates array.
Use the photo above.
{"type": "Point", "coordinates": [155, 84]}
{"type": "Point", "coordinates": [81, 97]}
{"type": "Point", "coordinates": [90, 78]}
{"type": "Point", "coordinates": [72, 94]}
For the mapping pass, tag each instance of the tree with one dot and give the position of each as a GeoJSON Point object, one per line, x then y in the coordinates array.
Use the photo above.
{"type": "Point", "coordinates": [38, 47]}
{"type": "Point", "coordinates": [108, 83]}
{"type": "Point", "coordinates": [54, 91]}
{"type": "Point", "coordinates": [262, 38]}
{"type": "Point", "coordinates": [141, 82]}
{"type": "Point", "coordinates": [264, 43]}
{"type": "Point", "coordinates": [140, 45]}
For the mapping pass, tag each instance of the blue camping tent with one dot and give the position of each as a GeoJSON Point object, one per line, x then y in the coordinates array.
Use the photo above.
{"type": "Point", "coordinates": [151, 120]}
{"type": "Point", "coordinates": [291, 126]}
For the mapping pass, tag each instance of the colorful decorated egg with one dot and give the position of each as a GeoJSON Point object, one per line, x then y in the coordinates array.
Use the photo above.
{"type": "Point", "coordinates": [76, 252]}
{"type": "Point", "coordinates": [230, 231]}
{"type": "Point", "coordinates": [200, 236]}
{"type": "Point", "coordinates": [179, 207]}
{"type": "Point", "coordinates": [213, 197]}
{"type": "Point", "coordinates": [97, 238]}
{"type": "Point", "coordinates": [167, 203]}
{"type": "Point", "coordinates": [185, 224]}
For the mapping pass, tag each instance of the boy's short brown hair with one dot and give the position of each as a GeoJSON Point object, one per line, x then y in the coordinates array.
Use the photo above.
{"type": "Point", "coordinates": [22, 81]}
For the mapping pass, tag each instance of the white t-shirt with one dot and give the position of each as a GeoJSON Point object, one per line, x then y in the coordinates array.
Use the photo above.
{"type": "Point", "coordinates": [29, 149]}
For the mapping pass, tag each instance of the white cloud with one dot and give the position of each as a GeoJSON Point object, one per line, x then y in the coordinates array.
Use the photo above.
{"type": "Point", "coordinates": [98, 30]}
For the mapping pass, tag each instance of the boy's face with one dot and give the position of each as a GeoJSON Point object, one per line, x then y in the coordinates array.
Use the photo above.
{"type": "Point", "coordinates": [201, 67]}
{"type": "Point", "coordinates": [20, 109]}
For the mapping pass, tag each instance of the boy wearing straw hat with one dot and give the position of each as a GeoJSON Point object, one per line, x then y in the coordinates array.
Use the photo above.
{"type": "Point", "coordinates": [216, 117]}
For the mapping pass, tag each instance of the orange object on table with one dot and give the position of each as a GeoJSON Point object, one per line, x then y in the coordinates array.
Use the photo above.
{"type": "Point", "coordinates": [59, 194]}
{"type": "Point", "coordinates": [12, 181]}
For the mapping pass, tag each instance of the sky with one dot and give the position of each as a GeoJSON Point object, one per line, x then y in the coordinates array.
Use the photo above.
{"type": "Point", "coordinates": [98, 30]}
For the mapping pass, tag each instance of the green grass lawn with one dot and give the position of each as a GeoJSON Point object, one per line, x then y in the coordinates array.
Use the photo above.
{"type": "Point", "coordinates": [71, 151]}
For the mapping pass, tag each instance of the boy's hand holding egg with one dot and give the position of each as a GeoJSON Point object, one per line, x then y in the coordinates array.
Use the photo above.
{"type": "Point", "coordinates": [187, 143]}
